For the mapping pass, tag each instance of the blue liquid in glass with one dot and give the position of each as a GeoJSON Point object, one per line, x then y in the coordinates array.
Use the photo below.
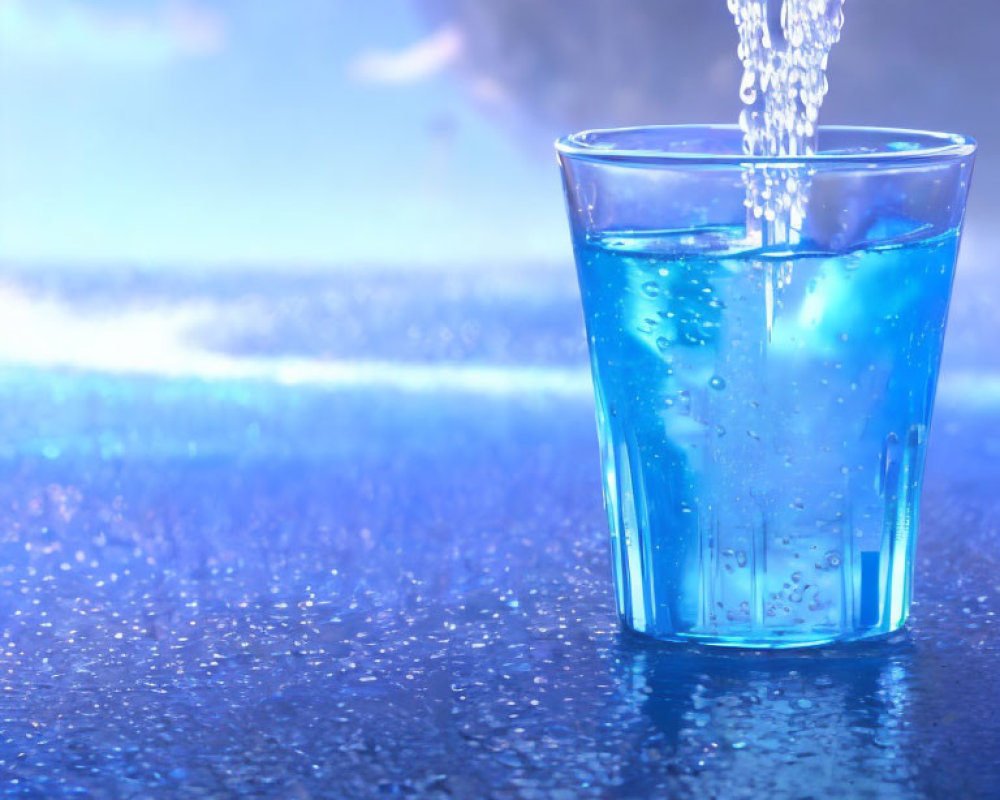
{"type": "Point", "coordinates": [763, 417]}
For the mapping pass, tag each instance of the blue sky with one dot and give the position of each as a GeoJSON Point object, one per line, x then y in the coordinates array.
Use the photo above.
{"type": "Point", "coordinates": [192, 132]}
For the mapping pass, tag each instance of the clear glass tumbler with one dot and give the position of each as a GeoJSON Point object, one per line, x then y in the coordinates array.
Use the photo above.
{"type": "Point", "coordinates": [764, 393]}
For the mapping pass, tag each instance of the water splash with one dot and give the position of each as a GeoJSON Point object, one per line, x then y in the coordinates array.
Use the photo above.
{"type": "Point", "coordinates": [784, 47]}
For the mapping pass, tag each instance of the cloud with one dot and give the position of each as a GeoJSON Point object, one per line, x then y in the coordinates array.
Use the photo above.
{"type": "Point", "coordinates": [412, 64]}
{"type": "Point", "coordinates": [74, 32]}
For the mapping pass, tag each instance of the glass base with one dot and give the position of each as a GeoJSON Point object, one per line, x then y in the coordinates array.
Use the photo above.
{"type": "Point", "coordinates": [776, 639]}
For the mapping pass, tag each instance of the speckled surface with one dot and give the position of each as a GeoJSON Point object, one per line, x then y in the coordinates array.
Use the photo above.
{"type": "Point", "coordinates": [238, 588]}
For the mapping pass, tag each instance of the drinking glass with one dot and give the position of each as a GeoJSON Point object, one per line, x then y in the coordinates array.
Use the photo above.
{"type": "Point", "coordinates": [764, 386]}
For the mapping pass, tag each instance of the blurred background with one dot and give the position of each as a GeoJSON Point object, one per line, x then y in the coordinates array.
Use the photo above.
{"type": "Point", "coordinates": [299, 486]}
{"type": "Point", "coordinates": [147, 146]}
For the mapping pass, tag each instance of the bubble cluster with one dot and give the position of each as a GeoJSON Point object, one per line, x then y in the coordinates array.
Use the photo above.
{"type": "Point", "coordinates": [784, 83]}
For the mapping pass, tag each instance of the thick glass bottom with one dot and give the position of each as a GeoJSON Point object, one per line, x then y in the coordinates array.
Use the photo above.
{"type": "Point", "coordinates": [772, 639]}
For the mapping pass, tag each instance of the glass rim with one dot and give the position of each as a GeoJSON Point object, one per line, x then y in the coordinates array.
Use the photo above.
{"type": "Point", "coordinates": [921, 146]}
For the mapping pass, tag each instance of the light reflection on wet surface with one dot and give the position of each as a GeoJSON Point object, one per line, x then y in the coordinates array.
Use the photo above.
{"type": "Point", "coordinates": [236, 588]}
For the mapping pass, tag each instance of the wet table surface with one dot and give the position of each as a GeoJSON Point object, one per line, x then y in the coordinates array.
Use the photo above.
{"type": "Point", "coordinates": [278, 568]}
